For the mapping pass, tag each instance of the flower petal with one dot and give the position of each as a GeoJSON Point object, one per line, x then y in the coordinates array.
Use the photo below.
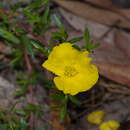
{"type": "Point", "coordinates": [109, 125]}
{"type": "Point", "coordinates": [82, 82]}
{"type": "Point", "coordinates": [65, 85]}
{"type": "Point", "coordinates": [87, 77]}
{"type": "Point", "coordinates": [61, 55]}
{"type": "Point", "coordinates": [96, 117]}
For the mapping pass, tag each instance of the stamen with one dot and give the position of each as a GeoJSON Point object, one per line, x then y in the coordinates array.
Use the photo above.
{"type": "Point", "coordinates": [70, 71]}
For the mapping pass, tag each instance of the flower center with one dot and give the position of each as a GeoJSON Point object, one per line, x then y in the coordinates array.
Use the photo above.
{"type": "Point", "coordinates": [70, 71]}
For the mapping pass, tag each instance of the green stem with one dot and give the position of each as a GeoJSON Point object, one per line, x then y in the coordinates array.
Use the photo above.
{"type": "Point", "coordinates": [66, 98]}
{"type": "Point", "coordinates": [63, 111]}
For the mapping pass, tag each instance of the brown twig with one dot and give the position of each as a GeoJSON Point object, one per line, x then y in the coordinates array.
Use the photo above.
{"type": "Point", "coordinates": [30, 88]}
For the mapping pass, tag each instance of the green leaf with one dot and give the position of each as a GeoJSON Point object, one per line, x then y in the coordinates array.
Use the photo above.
{"type": "Point", "coordinates": [94, 46]}
{"type": "Point", "coordinates": [63, 112]}
{"type": "Point", "coordinates": [88, 41]}
{"type": "Point", "coordinates": [33, 16]}
{"type": "Point", "coordinates": [55, 39]}
{"type": "Point", "coordinates": [40, 47]}
{"type": "Point", "coordinates": [34, 108]}
{"type": "Point", "coordinates": [37, 45]}
{"type": "Point", "coordinates": [77, 39]}
{"type": "Point", "coordinates": [27, 42]}
{"type": "Point", "coordinates": [89, 45]}
{"type": "Point", "coordinates": [45, 16]}
{"type": "Point", "coordinates": [17, 57]}
{"type": "Point", "coordinates": [9, 36]}
{"type": "Point", "coordinates": [37, 4]}
{"type": "Point", "coordinates": [58, 34]}
{"type": "Point", "coordinates": [62, 35]}
{"type": "Point", "coordinates": [59, 24]}
{"type": "Point", "coordinates": [74, 100]}
{"type": "Point", "coordinates": [65, 35]}
{"type": "Point", "coordinates": [23, 90]}
{"type": "Point", "coordinates": [87, 37]}
{"type": "Point", "coordinates": [23, 81]}
{"type": "Point", "coordinates": [77, 47]}
{"type": "Point", "coordinates": [20, 112]}
{"type": "Point", "coordinates": [30, 50]}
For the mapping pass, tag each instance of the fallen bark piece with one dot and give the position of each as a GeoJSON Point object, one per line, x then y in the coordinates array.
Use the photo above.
{"type": "Point", "coordinates": [116, 72]}
{"type": "Point", "coordinates": [98, 15]}
{"type": "Point", "coordinates": [108, 4]}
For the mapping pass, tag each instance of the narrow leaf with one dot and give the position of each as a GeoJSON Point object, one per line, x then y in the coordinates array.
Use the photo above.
{"type": "Point", "coordinates": [63, 112]}
{"type": "Point", "coordinates": [59, 24]}
{"type": "Point", "coordinates": [77, 47]}
{"type": "Point", "coordinates": [87, 36]}
{"type": "Point", "coordinates": [94, 46]}
{"type": "Point", "coordinates": [46, 15]}
{"type": "Point", "coordinates": [37, 45]}
{"type": "Point", "coordinates": [30, 50]}
{"type": "Point", "coordinates": [9, 36]}
{"type": "Point", "coordinates": [25, 40]}
{"type": "Point", "coordinates": [37, 4]}
{"type": "Point", "coordinates": [58, 34]}
{"type": "Point", "coordinates": [74, 40]}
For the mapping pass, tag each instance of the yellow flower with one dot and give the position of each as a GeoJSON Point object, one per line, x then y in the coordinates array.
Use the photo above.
{"type": "Point", "coordinates": [74, 71]}
{"type": "Point", "coordinates": [110, 125]}
{"type": "Point", "coordinates": [96, 117]}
